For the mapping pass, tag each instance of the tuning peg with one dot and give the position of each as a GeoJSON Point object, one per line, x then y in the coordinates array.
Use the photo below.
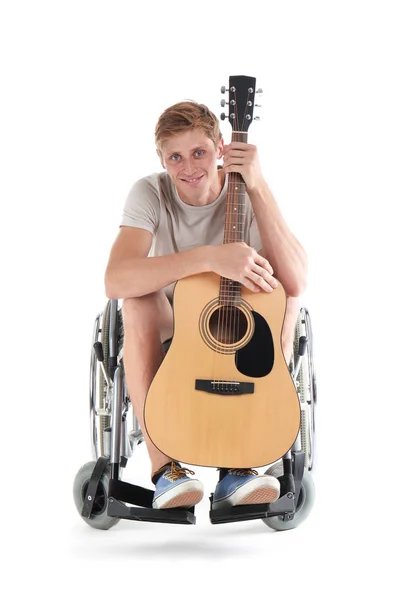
{"type": "Point", "coordinates": [223, 116]}
{"type": "Point", "coordinates": [258, 105]}
{"type": "Point", "coordinates": [259, 91]}
{"type": "Point", "coordinates": [222, 102]}
{"type": "Point", "coordinates": [256, 118]}
{"type": "Point", "coordinates": [223, 89]}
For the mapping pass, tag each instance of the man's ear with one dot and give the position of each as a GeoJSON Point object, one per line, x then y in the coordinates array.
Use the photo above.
{"type": "Point", "coordinates": [220, 149]}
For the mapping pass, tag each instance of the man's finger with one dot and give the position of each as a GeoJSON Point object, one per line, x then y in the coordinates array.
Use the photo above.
{"type": "Point", "coordinates": [264, 263]}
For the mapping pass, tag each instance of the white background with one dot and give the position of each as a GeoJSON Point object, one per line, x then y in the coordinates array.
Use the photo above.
{"type": "Point", "coordinates": [83, 84]}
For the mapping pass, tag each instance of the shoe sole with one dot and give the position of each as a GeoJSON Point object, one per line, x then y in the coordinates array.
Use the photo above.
{"type": "Point", "coordinates": [185, 499]}
{"type": "Point", "coordinates": [250, 493]}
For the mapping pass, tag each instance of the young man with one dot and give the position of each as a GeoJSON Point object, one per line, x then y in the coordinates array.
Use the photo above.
{"type": "Point", "coordinates": [172, 227]}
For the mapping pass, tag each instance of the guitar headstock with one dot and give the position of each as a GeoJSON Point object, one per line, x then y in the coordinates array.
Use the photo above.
{"type": "Point", "coordinates": [241, 101]}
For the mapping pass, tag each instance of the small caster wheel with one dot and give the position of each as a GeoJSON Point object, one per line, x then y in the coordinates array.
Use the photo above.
{"type": "Point", "coordinates": [99, 518]}
{"type": "Point", "coordinates": [306, 501]}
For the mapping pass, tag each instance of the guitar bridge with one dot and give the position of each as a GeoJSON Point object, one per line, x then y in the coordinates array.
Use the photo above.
{"type": "Point", "coordinates": [225, 388]}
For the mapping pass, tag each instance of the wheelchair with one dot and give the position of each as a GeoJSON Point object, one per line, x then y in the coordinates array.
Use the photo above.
{"type": "Point", "coordinates": [101, 496]}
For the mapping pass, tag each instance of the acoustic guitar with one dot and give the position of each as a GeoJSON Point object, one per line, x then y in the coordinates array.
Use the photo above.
{"type": "Point", "coordinates": [223, 395]}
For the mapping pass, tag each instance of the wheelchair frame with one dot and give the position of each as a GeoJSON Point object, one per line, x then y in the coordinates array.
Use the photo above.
{"type": "Point", "coordinates": [113, 444]}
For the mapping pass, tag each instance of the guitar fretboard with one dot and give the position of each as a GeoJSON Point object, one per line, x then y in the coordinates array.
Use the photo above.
{"type": "Point", "coordinates": [230, 291]}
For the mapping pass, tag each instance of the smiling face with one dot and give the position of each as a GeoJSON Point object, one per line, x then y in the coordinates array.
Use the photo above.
{"type": "Point", "coordinates": [190, 159]}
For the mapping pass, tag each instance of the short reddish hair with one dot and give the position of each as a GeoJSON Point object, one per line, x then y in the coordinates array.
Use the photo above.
{"type": "Point", "coordinates": [184, 116]}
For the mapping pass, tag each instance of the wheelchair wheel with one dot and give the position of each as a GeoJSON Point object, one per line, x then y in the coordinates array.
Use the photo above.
{"type": "Point", "coordinates": [306, 385]}
{"type": "Point", "coordinates": [104, 421]}
{"type": "Point", "coordinates": [99, 518]}
{"type": "Point", "coordinates": [98, 390]}
{"type": "Point", "coordinates": [305, 501]}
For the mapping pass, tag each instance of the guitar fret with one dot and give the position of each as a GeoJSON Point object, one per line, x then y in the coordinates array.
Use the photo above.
{"type": "Point", "coordinates": [235, 212]}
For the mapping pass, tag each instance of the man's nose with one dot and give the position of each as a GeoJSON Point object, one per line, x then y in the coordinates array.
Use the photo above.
{"type": "Point", "coordinates": [190, 166]}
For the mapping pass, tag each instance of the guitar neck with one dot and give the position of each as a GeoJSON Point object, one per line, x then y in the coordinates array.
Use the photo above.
{"type": "Point", "coordinates": [235, 205]}
{"type": "Point", "coordinates": [230, 291]}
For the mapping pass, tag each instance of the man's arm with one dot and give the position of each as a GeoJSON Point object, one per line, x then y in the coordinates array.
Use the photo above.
{"type": "Point", "coordinates": [280, 246]}
{"type": "Point", "coordinates": [131, 273]}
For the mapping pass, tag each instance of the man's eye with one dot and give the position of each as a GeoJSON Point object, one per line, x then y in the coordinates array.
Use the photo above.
{"type": "Point", "coordinates": [175, 157]}
{"type": "Point", "coordinates": [199, 152]}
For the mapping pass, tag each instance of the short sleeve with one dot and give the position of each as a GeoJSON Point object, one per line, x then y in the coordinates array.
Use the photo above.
{"type": "Point", "coordinates": [142, 206]}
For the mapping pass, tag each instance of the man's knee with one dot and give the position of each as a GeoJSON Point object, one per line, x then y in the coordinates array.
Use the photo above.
{"type": "Point", "coordinates": [293, 305]}
{"type": "Point", "coordinates": [149, 310]}
{"type": "Point", "coordinates": [134, 307]}
{"type": "Point", "coordinates": [291, 317]}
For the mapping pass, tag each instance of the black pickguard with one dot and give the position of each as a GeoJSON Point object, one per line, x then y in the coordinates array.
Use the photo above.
{"type": "Point", "coordinates": [256, 359]}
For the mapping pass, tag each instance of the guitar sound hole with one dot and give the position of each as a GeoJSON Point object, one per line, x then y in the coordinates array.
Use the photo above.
{"type": "Point", "coordinates": [228, 324]}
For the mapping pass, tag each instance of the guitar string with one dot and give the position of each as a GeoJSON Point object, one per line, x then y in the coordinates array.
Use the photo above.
{"type": "Point", "coordinates": [235, 182]}
{"type": "Point", "coordinates": [229, 331]}
{"type": "Point", "coordinates": [222, 295]}
{"type": "Point", "coordinates": [230, 294]}
{"type": "Point", "coordinates": [235, 326]}
{"type": "Point", "coordinates": [223, 292]}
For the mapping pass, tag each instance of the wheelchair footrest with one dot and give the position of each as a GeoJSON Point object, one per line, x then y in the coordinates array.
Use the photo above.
{"type": "Point", "coordinates": [282, 507]}
{"type": "Point", "coordinates": [116, 508]}
{"type": "Point", "coordinates": [121, 492]}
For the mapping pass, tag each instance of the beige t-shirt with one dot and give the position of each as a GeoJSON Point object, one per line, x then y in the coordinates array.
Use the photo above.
{"type": "Point", "coordinates": [154, 204]}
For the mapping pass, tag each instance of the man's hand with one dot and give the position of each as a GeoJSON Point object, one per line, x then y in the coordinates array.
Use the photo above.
{"type": "Point", "coordinates": [243, 158]}
{"type": "Point", "coordinates": [239, 262]}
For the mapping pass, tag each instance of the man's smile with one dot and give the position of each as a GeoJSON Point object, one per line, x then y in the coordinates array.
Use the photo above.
{"type": "Point", "coordinates": [193, 181]}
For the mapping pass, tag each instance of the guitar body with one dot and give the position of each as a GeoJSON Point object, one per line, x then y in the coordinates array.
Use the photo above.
{"type": "Point", "coordinates": [223, 395]}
